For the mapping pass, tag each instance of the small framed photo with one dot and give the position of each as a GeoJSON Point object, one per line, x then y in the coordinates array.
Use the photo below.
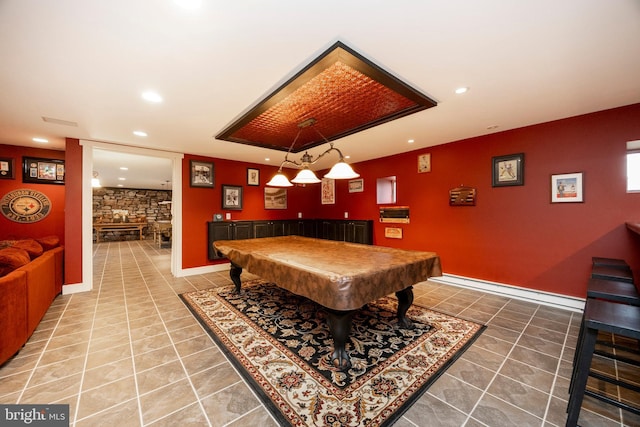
{"type": "Point", "coordinates": [508, 170]}
{"type": "Point", "coordinates": [567, 188]}
{"type": "Point", "coordinates": [275, 198]}
{"type": "Point", "coordinates": [232, 197]}
{"type": "Point", "coordinates": [6, 168]}
{"type": "Point", "coordinates": [424, 163]}
{"type": "Point", "coordinates": [42, 171]}
{"type": "Point", "coordinates": [253, 176]}
{"type": "Point", "coordinates": [356, 185]}
{"type": "Point", "coordinates": [328, 191]}
{"type": "Point", "coordinates": [202, 174]}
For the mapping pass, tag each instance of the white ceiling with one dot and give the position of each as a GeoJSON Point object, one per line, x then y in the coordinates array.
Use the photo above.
{"type": "Point", "coordinates": [88, 62]}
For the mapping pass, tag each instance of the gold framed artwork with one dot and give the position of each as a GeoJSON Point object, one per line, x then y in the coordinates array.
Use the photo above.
{"type": "Point", "coordinates": [424, 163]}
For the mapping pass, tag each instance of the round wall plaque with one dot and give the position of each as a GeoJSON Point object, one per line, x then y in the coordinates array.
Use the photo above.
{"type": "Point", "coordinates": [25, 205]}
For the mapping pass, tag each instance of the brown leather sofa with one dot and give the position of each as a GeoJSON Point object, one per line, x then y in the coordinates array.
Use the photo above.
{"type": "Point", "coordinates": [25, 296]}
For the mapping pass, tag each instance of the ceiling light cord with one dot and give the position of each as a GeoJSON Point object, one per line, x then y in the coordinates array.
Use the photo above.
{"type": "Point", "coordinates": [341, 170]}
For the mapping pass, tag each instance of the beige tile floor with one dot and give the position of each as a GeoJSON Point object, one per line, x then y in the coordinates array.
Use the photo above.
{"type": "Point", "coordinates": [129, 353]}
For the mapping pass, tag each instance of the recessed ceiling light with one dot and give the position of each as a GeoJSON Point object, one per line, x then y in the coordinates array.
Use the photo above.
{"type": "Point", "coordinates": [461, 90]}
{"type": "Point", "coordinates": [347, 157]}
{"type": "Point", "coordinates": [122, 179]}
{"type": "Point", "coordinates": [40, 140]}
{"type": "Point", "coordinates": [124, 168]}
{"type": "Point", "coordinates": [266, 159]}
{"type": "Point", "coordinates": [411, 141]}
{"type": "Point", "coordinates": [139, 133]}
{"type": "Point", "coordinates": [120, 185]}
{"type": "Point", "coordinates": [151, 97]}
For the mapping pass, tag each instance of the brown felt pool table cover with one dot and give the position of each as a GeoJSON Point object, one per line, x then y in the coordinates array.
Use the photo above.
{"type": "Point", "coordinates": [337, 275]}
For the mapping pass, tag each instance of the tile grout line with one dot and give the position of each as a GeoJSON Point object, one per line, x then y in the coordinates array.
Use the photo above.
{"type": "Point", "coordinates": [504, 360]}
{"type": "Point", "coordinates": [133, 359]}
{"type": "Point", "coordinates": [173, 344]}
{"type": "Point", "coordinates": [93, 321]}
{"type": "Point", "coordinates": [557, 373]}
{"type": "Point", "coordinates": [42, 353]}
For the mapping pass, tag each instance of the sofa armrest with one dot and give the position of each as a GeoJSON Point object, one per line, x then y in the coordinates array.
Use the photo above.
{"type": "Point", "coordinates": [13, 313]}
{"type": "Point", "coordinates": [40, 288]}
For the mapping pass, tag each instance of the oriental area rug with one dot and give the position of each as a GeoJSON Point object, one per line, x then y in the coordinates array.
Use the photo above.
{"type": "Point", "coordinates": [281, 345]}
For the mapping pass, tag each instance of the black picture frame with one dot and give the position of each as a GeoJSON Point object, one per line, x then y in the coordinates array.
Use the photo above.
{"type": "Point", "coordinates": [202, 174]}
{"type": "Point", "coordinates": [42, 171]}
{"type": "Point", "coordinates": [253, 176]}
{"type": "Point", "coordinates": [508, 171]}
{"type": "Point", "coordinates": [7, 170]}
{"type": "Point", "coordinates": [232, 197]}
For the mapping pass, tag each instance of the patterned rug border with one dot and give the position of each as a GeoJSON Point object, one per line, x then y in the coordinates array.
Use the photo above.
{"type": "Point", "coordinates": [272, 406]}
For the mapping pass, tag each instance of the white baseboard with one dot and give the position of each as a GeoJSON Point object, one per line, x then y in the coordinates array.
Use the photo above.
{"type": "Point", "coordinates": [539, 297]}
{"type": "Point", "coordinates": [75, 288]}
{"type": "Point", "coordinates": [204, 269]}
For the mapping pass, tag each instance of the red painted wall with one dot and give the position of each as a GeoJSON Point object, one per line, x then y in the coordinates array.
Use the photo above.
{"type": "Point", "coordinates": [199, 204]}
{"type": "Point", "coordinates": [514, 235]}
{"type": "Point", "coordinates": [73, 214]}
{"type": "Point", "coordinates": [53, 223]}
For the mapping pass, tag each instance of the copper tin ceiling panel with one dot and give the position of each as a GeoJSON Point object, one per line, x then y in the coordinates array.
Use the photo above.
{"type": "Point", "coordinates": [343, 91]}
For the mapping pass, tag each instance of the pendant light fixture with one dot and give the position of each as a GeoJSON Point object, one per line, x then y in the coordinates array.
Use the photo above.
{"type": "Point", "coordinates": [340, 170]}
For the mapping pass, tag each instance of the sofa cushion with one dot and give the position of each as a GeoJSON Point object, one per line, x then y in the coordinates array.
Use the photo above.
{"type": "Point", "coordinates": [33, 248]}
{"type": "Point", "coordinates": [12, 258]}
{"type": "Point", "coordinates": [6, 243]}
{"type": "Point", "coordinates": [49, 242]}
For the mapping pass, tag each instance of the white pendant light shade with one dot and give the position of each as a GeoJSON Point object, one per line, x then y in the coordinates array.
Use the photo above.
{"type": "Point", "coordinates": [279, 180]}
{"type": "Point", "coordinates": [306, 176]}
{"type": "Point", "coordinates": [342, 170]}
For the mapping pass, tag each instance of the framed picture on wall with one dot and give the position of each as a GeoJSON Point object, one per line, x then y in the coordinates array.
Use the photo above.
{"type": "Point", "coordinates": [424, 163]}
{"type": "Point", "coordinates": [328, 191]}
{"type": "Point", "coordinates": [6, 168]}
{"type": "Point", "coordinates": [275, 198]}
{"type": "Point", "coordinates": [231, 197]}
{"type": "Point", "coordinates": [202, 174]}
{"type": "Point", "coordinates": [356, 185]}
{"type": "Point", "coordinates": [253, 176]}
{"type": "Point", "coordinates": [508, 170]}
{"type": "Point", "coordinates": [42, 171]}
{"type": "Point", "coordinates": [567, 188]}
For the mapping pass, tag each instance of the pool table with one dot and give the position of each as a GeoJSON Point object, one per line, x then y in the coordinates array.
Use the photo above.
{"type": "Point", "coordinates": [340, 276]}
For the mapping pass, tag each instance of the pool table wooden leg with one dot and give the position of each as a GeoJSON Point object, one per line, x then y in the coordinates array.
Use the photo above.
{"type": "Point", "coordinates": [405, 299]}
{"type": "Point", "coordinates": [235, 273]}
{"type": "Point", "coordinates": [340, 327]}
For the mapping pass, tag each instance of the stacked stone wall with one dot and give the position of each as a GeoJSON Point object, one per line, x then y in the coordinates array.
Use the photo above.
{"type": "Point", "coordinates": [142, 206]}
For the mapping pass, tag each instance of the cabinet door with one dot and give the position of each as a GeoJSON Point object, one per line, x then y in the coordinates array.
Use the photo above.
{"type": "Point", "coordinates": [218, 231]}
{"type": "Point", "coordinates": [243, 230]}
{"type": "Point", "coordinates": [333, 230]}
{"type": "Point", "coordinates": [308, 228]}
{"type": "Point", "coordinates": [362, 232]}
{"type": "Point", "coordinates": [280, 228]}
{"type": "Point", "coordinates": [262, 229]}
